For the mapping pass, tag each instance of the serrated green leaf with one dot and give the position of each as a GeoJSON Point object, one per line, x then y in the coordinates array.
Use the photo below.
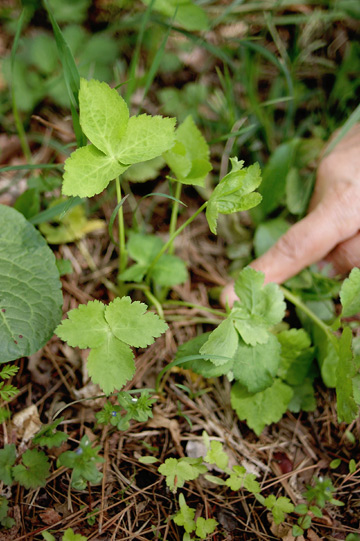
{"type": "Point", "coordinates": [256, 366]}
{"type": "Point", "coordinates": [216, 455]}
{"type": "Point", "coordinates": [169, 271]}
{"type": "Point", "coordinates": [350, 294]}
{"type": "Point", "coordinates": [259, 308]}
{"type": "Point", "coordinates": [130, 322]}
{"type": "Point", "coordinates": [31, 299]}
{"type": "Point", "coordinates": [223, 341]}
{"type": "Point", "coordinates": [7, 460]}
{"type": "Point", "coordinates": [347, 408]}
{"type": "Point", "coordinates": [143, 248]}
{"type": "Point", "coordinates": [201, 366]}
{"type": "Point", "coordinates": [261, 409]}
{"type": "Point", "coordinates": [189, 157]}
{"type": "Point", "coordinates": [278, 507]}
{"type": "Point", "coordinates": [296, 355]}
{"type": "Point", "coordinates": [178, 471]}
{"type": "Point", "coordinates": [303, 398]}
{"type": "Point", "coordinates": [236, 479]}
{"type": "Point", "coordinates": [104, 115]}
{"type": "Point", "coordinates": [185, 517]}
{"type": "Point", "coordinates": [205, 527]}
{"type": "Point", "coordinates": [33, 471]}
{"type": "Point", "coordinates": [85, 327]}
{"type": "Point", "coordinates": [234, 193]}
{"type": "Point", "coordinates": [146, 138]}
{"type": "Point", "coordinates": [88, 171]}
{"type": "Point", "coordinates": [111, 364]}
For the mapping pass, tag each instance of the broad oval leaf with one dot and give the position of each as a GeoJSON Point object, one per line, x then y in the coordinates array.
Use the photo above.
{"type": "Point", "coordinates": [30, 297]}
{"type": "Point", "coordinates": [104, 115]}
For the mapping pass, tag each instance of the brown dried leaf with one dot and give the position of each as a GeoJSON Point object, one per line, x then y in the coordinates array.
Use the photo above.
{"type": "Point", "coordinates": [50, 516]}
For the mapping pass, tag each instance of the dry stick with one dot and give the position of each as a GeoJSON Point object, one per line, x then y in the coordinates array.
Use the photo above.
{"type": "Point", "coordinates": [57, 368]}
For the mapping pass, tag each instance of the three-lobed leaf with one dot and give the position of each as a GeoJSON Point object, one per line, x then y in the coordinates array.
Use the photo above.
{"type": "Point", "coordinates": [117, 140]}
{"type": "Point", "coordinates": [110, 331]}
{"type": "Point", "coordinates": [178, 471]}
{"type": "Point", "coordinates": [278, 507]}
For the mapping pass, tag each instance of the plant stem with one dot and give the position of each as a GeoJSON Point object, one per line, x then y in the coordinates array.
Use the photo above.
{"type": "Point", "coordinates": [122, 250]}
{"type": "Point", "coordinates": [150, 296]}
{"type": "Point", "coordinates": [198, 306]}
{"type": "Point", "coordinates": [174, 235]}
{"type": "Point", "coordinates": [296, 301]}
{"type": "Point", "coordinates": [174, 215]}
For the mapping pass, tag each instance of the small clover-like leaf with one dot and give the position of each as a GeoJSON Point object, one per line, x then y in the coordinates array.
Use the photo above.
{"type": "Point", "coordinates": [234, 193]}
{"type": "Point", "coordinates": [278, 507]}
{"type": "Point", "coordinates": [130, 322]}
{"type": "Point", "coordinates": [216, 455]}
{"type": "Point", "coordinates": [88, 171]}
{"type": "Point", "coordinates": [185, 517]}
{"type": "Point", "coordinates": [85, 327]}
{"type": "Point", "coordinates": [111, 364]}
{"type": "Point", "coordinates": [205, 527]}
{"type": "Point", "coordinates": [33, 471]}
{"type": "Point", "coordinates": [178, 471]}
{"type": "Point", "coordinates": [69, 535]}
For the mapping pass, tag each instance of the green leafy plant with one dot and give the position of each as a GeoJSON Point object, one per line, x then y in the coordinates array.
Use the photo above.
{"type": "Point", "coordinates": [110, 331]}
{"type": "Point", "coordinates": [82, 462]}
{"type": "Point", "coordinates": [69, 535]}
{"type": "Point", "coordinates": [317, 497]}
{"type": "Point", "coordinates": [136, 408]}
{"type": "Point", "coordinates": [5, 521]}
{"type": "Point", "coordinates": [30, 473]}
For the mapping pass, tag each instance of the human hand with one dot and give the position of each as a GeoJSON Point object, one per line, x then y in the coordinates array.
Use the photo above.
{"type": "Point", "coordinates": [330, 231]}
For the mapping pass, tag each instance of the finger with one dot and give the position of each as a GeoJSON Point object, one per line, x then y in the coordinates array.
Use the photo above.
{"type": "Point", "coordinates": [335, 219]}
{"type": "Point", "coordinates": [346, 255]}
{"type": "Point", "coordinates": [228, 295]}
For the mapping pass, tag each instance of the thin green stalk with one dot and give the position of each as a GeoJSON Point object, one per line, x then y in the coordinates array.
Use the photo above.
{"type": "Point", "coordinates": [174, 235]}
{"type": "Point", "coordinates": [149, 295]}
{"type": "Point", "coordinates": [296, 301]}
{"type": "Point", "coordinates": [198, 306]}
{"type": "Point", "coordinates": [122, 249]}
{"type": "Point", "coordinates": [155, 302]}
{"type": "Point", "coordinates": [174, 214]}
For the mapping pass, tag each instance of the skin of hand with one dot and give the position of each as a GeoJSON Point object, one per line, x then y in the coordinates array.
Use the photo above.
{"type": "Point", "coordinates": [330, 231]}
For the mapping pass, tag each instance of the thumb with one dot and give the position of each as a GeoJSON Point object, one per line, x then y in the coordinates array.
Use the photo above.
{"type": "Point", "coordinates": [333, 220]}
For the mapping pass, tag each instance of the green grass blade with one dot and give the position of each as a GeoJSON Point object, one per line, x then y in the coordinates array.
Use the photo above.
{"type": "Point", "coordinates": [155, 64]}
{"type": "Point", "coordinates": [57, 210]}
{"type": "Point", "coordinates": [351, 121]}
{"type": "Point", "coordinates": [136, 56]}
{"type": "Point", "coordinates": [71, 75]}
{"type": "Point", "coordinates": [19, 125]}
{"type": "Point", "coordinates": [112, 218]}
{"type": "Point", "coordinates": [31, 166]}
